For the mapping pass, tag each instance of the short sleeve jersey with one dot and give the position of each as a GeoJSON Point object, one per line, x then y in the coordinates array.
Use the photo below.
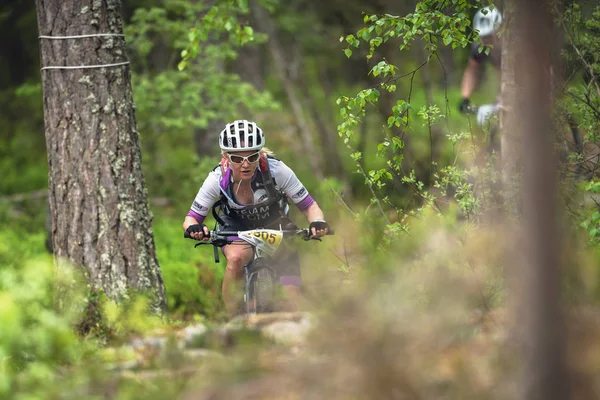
{"type": "Point", "coordinates": [284, 178]}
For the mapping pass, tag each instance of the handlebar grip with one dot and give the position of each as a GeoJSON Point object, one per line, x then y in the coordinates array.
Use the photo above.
{"type": "Point", "coordinates": [186, 235]}
{"type": "Point", "coordinates": [196, 228]}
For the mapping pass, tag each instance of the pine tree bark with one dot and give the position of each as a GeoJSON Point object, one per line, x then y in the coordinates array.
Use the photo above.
{"type": "Point", "coordinates": [98, 202]}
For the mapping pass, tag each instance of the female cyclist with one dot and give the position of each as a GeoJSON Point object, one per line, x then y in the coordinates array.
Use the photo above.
{"type": "Point", "coordinates": [251, 189]}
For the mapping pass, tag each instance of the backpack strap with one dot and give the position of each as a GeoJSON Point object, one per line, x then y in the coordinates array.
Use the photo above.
{"type": "Point", "coordinates": [267, 177]}
{"type": "Point", "coordinates": [218, 204]}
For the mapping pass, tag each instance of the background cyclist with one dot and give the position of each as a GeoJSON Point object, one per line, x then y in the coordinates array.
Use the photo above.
{"type": "Point", "coordinates": [486, 21]}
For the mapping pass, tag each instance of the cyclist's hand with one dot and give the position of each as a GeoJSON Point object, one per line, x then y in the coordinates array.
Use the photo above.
{"type": "Point", "coordinates": [464, 106]}
{"type": "Point", "coordinates": [198, 231]}
{"type": "Point", "coordinates": [319, 228]}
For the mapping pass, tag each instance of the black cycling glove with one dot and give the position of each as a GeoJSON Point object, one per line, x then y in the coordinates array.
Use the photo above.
{"type": "Point", "coordinates": [195, 228]}
{"type": "Point", "coordinates": [319, 224]}
{"type": "Point", "coordinates": [465, 106]}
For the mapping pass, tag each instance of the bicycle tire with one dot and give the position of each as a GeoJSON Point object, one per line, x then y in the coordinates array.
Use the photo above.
{"type": "Point", "coordinates": [261, 290]}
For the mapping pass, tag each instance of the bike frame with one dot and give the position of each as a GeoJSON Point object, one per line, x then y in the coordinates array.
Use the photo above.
{"type": "Point", "coordinates": [264, 243]}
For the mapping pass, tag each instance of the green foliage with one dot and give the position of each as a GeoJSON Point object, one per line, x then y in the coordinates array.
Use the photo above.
{"type": "Point", "coordinates": [581, 101]}
{"type": "Point", "coordinates": [42, 305]}
{"type": "Point", "coordinates": [35, 339]}
{"type": "Point", "coordinates": [220, 19]}
{"type": "Point", "coordinates": [172, 103]}
{"type": "Point", "coordinates": [192, 278]}
{"type": "Point", "coordinates": [23, 163]}
{"type": "Point", "coordinates": [433, 24]}
{"type": "Point", "coordinates": [590, 220]}
{"type": "Point", "coordinates": [428, 22]}
{"type": "Point", "coordinates": [583, 53]}
{"type": "Point", "coordinates": [584, 50]}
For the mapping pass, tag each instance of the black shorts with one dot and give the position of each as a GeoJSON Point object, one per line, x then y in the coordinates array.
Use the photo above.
{"type": "Point", "coordinates": [287, 261]}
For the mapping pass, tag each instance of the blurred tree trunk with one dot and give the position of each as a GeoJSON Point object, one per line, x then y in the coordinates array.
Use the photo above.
{"type": "Point", "coordinates": [542, 336]}
{"type": "Point", "coordinates": [332, 162]}
{"type": "Point", "coordinates": [250, 66]}
{"type": "Point", "coordinates": [205, 139]}
{"type": "Point", "coordinates": [448, 75]}
{"type": "Point", "coordinates": [264, 23]}
{"type": "Point", "coordinates": [327, 137]}
{"type": "Point", "coordinates": [98, 202]}
{"type": "Point", "coordinates": [509, 138]}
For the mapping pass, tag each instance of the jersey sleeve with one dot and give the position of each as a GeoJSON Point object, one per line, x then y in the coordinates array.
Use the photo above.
{"type": "Point", "coordinates": [207, 196]}
{"type": "Point", "coordinates": [288, 183]}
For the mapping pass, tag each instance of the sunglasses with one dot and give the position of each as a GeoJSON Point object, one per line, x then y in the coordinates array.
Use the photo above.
{"type": "Point", "coordinates": [237, 159]}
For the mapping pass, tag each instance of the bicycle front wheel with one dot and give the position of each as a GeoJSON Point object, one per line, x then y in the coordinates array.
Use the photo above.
{"type": "Point", "coordinates": [260, 293]}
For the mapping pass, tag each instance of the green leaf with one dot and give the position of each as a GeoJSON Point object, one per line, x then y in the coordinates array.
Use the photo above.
{"type": "Point", "coordinates": [348, 52]}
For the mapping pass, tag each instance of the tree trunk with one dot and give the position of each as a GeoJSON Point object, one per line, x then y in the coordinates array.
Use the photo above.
{"type": "Point", "coordinates": [250, 65]}
{"type": "Point", "coordinates": [327, 137]}
{"type": "Point", "coordinates": [205, 139]}
{"type": "Point", "coordinates": [98, 202]}
{"type": "Point", "coordinates": [509, 138]}
{"type": "Point", "coordinates": [542, 336]}
{"type": "Point", "coordinates": [264, 23]}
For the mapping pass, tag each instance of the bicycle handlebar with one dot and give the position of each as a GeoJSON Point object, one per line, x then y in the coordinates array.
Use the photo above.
{"type": "Point", "coordinates": [483, 111]}
{"type": "Point", "coordinates": [224, 235]}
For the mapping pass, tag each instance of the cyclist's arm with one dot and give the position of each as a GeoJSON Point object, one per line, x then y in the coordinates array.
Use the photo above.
{"type": "Point", "coordinates": [207, 196]}
{"type": "Point", "coordinates": [294, 189]}
{"type": "Point", "coordinates": [313, 212]}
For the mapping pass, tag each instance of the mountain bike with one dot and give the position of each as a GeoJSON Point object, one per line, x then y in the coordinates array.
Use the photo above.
{"type": "Point", "coordinates": [261, 275]}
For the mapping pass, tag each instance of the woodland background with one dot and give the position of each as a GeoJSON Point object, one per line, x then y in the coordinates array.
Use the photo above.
{"type": "Point", "coordinates": [369, 122]}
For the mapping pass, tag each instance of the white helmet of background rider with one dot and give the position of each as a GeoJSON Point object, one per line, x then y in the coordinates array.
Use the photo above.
{"type": "Point", "coordinates": [241, 135]}
{"type": "Point", "coordinates": [487, 20]}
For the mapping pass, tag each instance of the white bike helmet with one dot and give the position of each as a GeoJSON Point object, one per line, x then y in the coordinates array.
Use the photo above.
{"type": "Point", "coordinates": [241, 135]}
{"type": "Point", "coordinates": [487, 20]}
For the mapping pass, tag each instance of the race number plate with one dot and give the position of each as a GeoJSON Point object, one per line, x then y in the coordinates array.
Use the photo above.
{"type": "Point", "coordinates": [266, 240]}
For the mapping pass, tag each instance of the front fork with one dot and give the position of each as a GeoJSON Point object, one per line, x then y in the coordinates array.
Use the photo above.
{"type": "Point", "coordinates": [250, 308]}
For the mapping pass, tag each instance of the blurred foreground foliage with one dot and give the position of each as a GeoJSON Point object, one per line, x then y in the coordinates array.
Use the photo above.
{"type": "Point", "coordinates": [425, 314]}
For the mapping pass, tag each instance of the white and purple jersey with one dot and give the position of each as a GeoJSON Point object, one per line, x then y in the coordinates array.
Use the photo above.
{"type": "Point", "coordinates": [219, 185]}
